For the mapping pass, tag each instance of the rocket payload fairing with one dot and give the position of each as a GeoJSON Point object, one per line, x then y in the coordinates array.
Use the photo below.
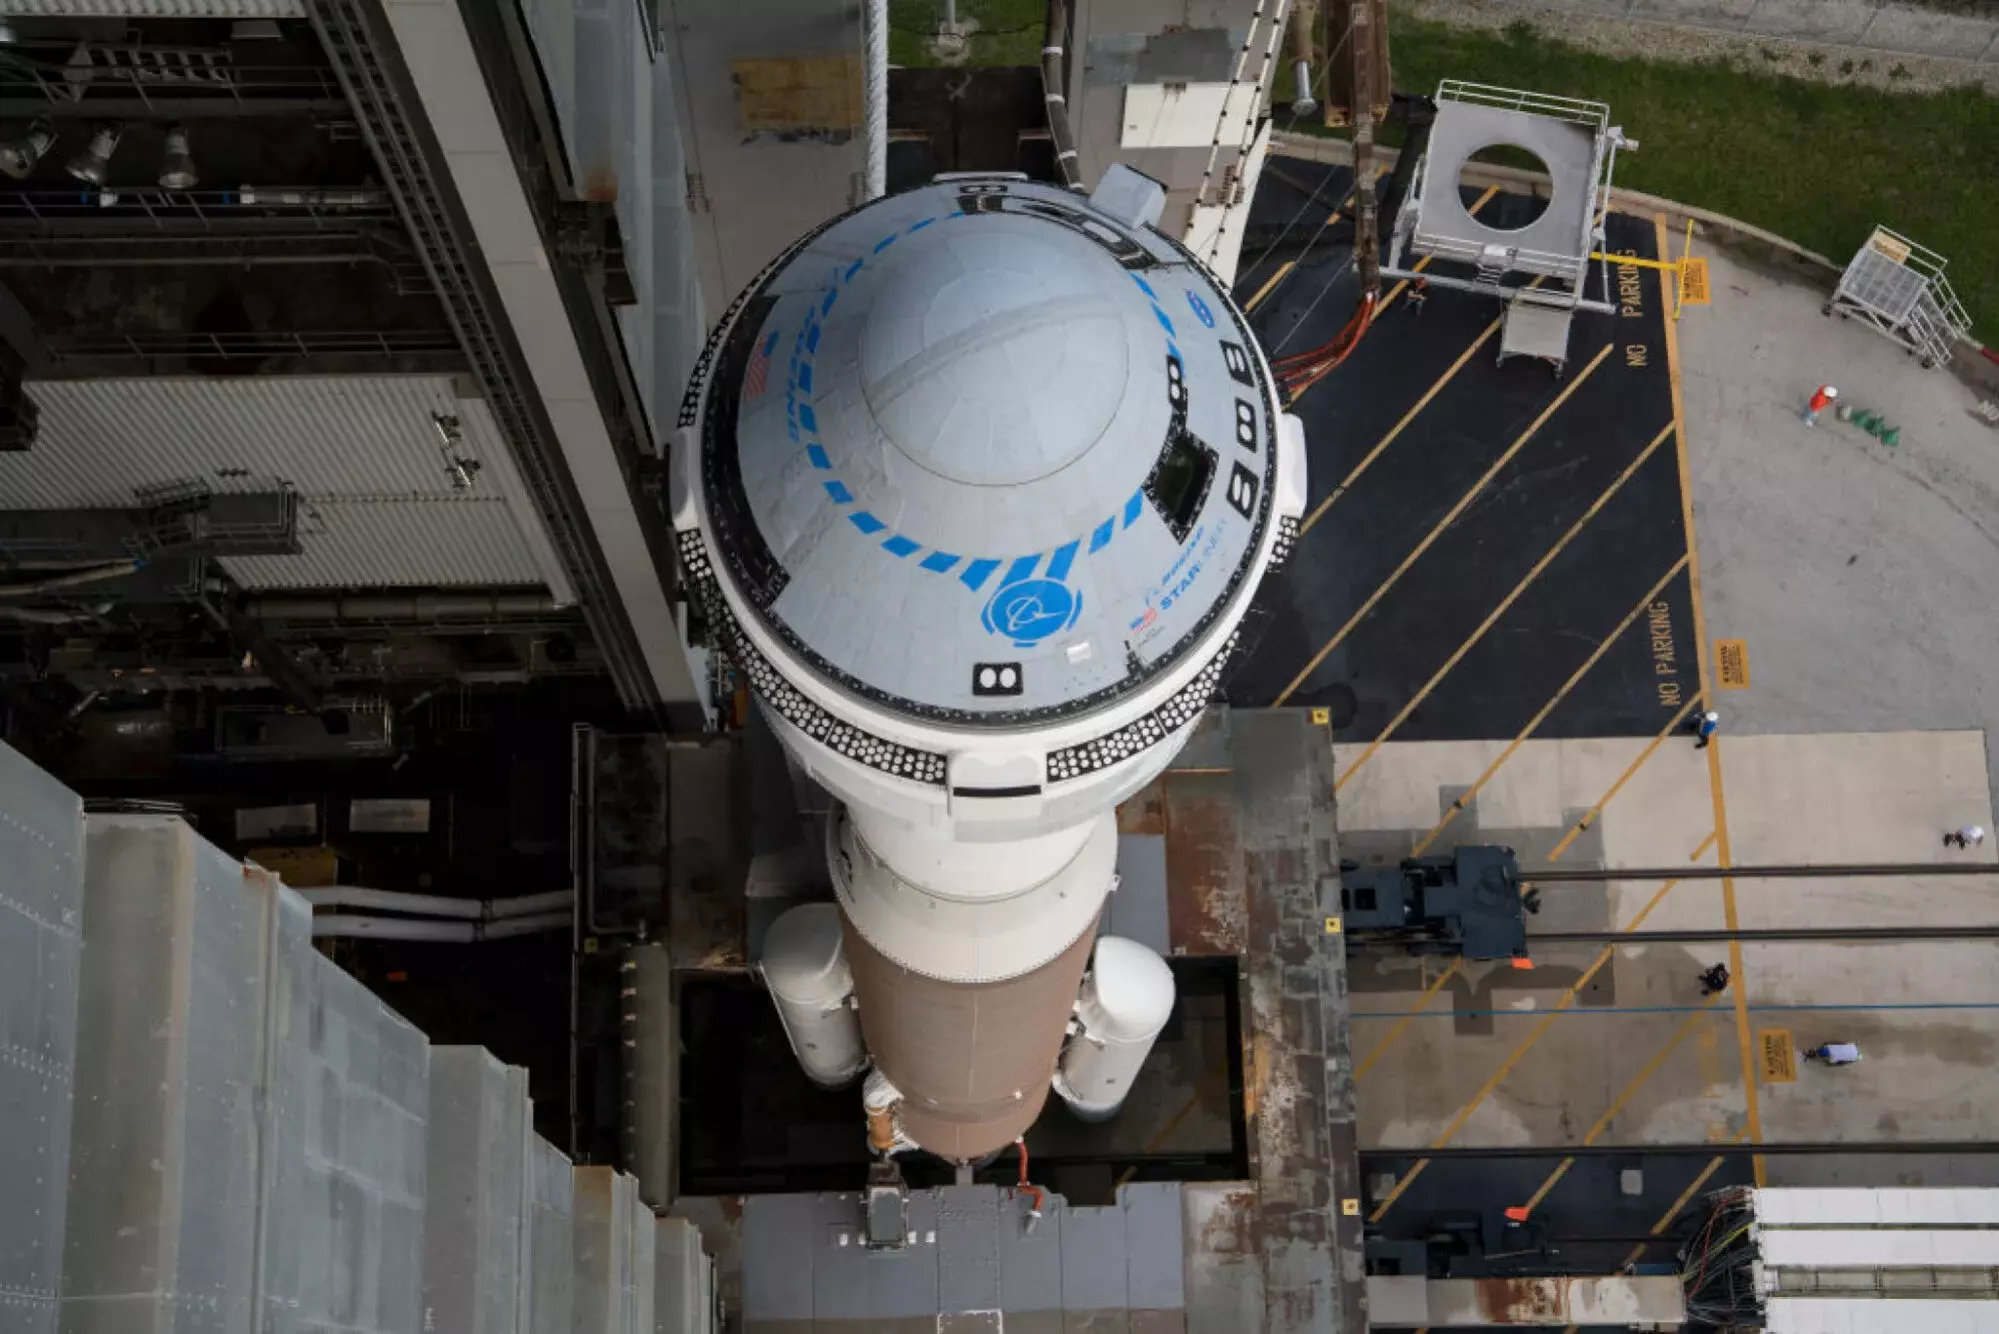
{"type": "Point", "coordinates": [975, 484]}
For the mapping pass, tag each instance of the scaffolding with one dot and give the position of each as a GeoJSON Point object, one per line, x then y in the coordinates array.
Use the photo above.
{"type": "Point", "coordinates": [1898, 289]}
{"type": "Point", "coordinates": [1552, 252]}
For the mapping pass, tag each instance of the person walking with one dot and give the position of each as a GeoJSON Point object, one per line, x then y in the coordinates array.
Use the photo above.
{"type": "Point", "coordinates": [1835, 1053]}
{"type": "Point", "coordinates": [1821, 399]}
{"type": "Point", "coordinates": [1715, 980]}
{"type": "Point", "coordinates": [1418, 295]}
{"type": "Point", "coordinates": [1704, 728]}
{"type": "Point", "coordinates": [1968, 837]}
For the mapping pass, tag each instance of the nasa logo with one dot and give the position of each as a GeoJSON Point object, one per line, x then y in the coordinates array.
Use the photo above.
{"type": "Point", "coordinates": [1201, 311]}
{"type": "Point", "coordinates": [1029, 611]}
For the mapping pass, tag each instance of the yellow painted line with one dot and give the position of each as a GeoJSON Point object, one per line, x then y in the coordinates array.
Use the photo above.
{"type": "Point", "coordinates": [1506, 1067]}
{"type": "Point", "coordinates": [1740, 988]}
{"type": "Point", "coordinates": [1407, 417]}
{"type": "Point", "coordinates": [1457, 966]}
{"type": "Point", "coordinates": [1666, 1219]}
{"type": "Point", "coordinates": [1450, 518]}
{"type": "Point", "coordinates": [1664, 265]}
{"type": "Point", "coordinates": [1602, 648]}
{"type": "Point", "coordinates": [1589, 816]}
{"type": "Point", "coordinates": [1422, 402]}
{"type": "Point", "coordinates": [1623, 1099]}
{"type": "Point", "coordinates": [1664, 890]}
{"type": "Point", "coordinates": [1270, 286]}
{"type": "Point", "coordinates": [1519, 1053]}
{"type": "Point", "coordinates": [1506, 602]}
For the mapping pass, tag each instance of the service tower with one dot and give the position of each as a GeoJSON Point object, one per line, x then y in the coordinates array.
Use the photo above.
{"type": "Point", "coordinates": [975, 484]}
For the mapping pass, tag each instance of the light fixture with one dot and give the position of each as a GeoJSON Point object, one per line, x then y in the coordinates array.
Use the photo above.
{"type": "Point", "coordinates": [93, 164]}
{"type": "Point", "coordinates": [19, 156]}
{"type": "Point", "coordinates": [7, 34]}
{"type": "Point", "coordinates": [177, 164]}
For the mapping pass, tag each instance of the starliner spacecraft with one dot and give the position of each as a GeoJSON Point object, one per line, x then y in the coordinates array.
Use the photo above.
{"type": "Point", "coordinates": [975, 485]}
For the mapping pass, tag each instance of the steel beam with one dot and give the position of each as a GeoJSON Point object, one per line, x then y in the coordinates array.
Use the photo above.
{"type": "Point", "coordinates": [171, 109]}
{"type": "Point", "coordinates": [1777, 1148]}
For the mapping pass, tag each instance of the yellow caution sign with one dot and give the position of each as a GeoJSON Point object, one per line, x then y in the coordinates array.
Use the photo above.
{"type": "Point", "coordinates": [1322, 717]}
{"type": "Point", "coordinates": [1350, 1206]}
{"type": "Point", "coordinates": [1780, 1059]}
{"type": "Point", "coordinates": [1332, 926]}
{"type": "Point", "coordinates": [1894, 247]}
{"type": "Point", "coordinates": [1732, 659]}
{"type": "Point", "coordinates": [1693, 281]}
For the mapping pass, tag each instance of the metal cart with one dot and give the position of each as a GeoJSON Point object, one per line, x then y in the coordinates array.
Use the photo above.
{"type": "Point", "coordinates": [1898, 288]}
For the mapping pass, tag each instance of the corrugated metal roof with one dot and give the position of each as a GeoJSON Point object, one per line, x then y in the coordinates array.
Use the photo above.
{"type": "Point", "coordinates": [157, 9]}
{"type": "Point", "coordinates": [364, 451]}
{"type": "Point", "coordinates": [396, 543]}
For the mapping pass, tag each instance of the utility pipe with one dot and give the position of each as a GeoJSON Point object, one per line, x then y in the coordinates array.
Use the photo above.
{"type": "Point", "coordinates": [874, 80]}
{"type": "Point", "coordinates": [422, 929]}
{"type": "Point", "coordinates": [436, 905]}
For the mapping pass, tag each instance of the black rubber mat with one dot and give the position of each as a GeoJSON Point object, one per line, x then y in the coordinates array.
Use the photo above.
{"type": "Point", "coordinates": [1393, 622]}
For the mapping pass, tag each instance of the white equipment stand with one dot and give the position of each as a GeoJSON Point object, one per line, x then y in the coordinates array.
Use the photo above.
{"type": "Point", "coordinates": [1898, 288]}
{"type": "Point", "coordinates": [1579, 145]}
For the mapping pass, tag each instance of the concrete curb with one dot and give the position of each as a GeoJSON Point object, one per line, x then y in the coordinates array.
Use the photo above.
{"type": "Point", "coordinates": [1733, 234]}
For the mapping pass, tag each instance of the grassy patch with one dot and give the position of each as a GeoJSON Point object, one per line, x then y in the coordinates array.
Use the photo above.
{"type": "Point", "coordinates": [1813, 163]}
{"type": "Point", "coordinates": [1004, 32]}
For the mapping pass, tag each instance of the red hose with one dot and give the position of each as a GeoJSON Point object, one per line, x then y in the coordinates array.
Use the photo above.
{"type": "Point", "coordinates": [1025, 1184]}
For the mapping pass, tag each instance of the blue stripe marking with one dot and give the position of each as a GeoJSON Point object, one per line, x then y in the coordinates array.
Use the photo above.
{"type": "Point", "coordinates": [791, 429]}
{"type": "Point", "coordinates": [885, 243]}
{"type": "Point", "coordinates": [852, 269]}
{"type": "Point", "coordinates": [812, 339]}
{"type": "Point", "coordinates": [827, 304]}
{"type": "Point", "coordinates": [1173, 351]}
{"type": "Point", "coordinates": [1164, 323]}
{"type": "Point", "coordinates": [818, 456]}
{"type": "Point", "coordinates": [1059, 563]}
{"type": "Point", "coordinates": [1144, 286]}
{"type": "Point", "coordinates": [838, 490]}
{"type": "Point", "coordinates": [1021, 568]}
{"type": "Point", "coordinates": [770, 343]}
{"type": "Point", "coordinates": [807, 418]}
{"type": "Point", "coordinates": [805, 378]}
{"type": "Point", "coordinates": [939, 562]}
{"type": "Point", "coordinates": [1102, 537]}
{"type": "Point", "coordinates": [977, 573]}
{"type": "Point", "coordinates": [1132, 507]}
{"type": "Point", "coordinates": [901, 546]}
{"type": "Point", "coordinates": [919, 226]}
{"type": "Point", "coordinates": [865, 521]}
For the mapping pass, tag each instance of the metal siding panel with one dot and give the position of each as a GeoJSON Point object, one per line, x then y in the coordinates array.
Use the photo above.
{"type": "Point", "coordinates": [968, 1265]}
{"type": "Point", "coordinates": [1137, 911]}
{"type": "Point", "coordinates": [41, 927]}
{"type": "Point", "coordinates": [337, 440]}
{"type": "Point", "coordinates": [550, 1268]}
{"type": "Point", "coordinates": [1030, 1262]}
{"type": "Point", "coordinates": [1093, 1260]}
{"type": "Point", "coordinates": [780, 1242]}
{"type": "Point", "coordinates": [396, 543]}
{"type": "Point", "coordinates": [1156, 1273]}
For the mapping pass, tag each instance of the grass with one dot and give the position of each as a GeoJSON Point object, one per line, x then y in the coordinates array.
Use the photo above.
{"type": "Point", "coordinates": [1816, 164]}
{"type": "Point", "coordinates": [1005, 32]}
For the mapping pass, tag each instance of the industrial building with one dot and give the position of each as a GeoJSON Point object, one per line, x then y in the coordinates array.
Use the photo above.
{"type": "Point", "coordinates": [659, 672]}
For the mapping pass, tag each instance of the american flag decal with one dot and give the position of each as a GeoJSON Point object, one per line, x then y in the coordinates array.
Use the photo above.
{"type": "Point", "coordinates": [759, 372]}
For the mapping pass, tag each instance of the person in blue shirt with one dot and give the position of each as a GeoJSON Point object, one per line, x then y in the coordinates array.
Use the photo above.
{"type": "Point", "coordinates": [1704, 728]}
